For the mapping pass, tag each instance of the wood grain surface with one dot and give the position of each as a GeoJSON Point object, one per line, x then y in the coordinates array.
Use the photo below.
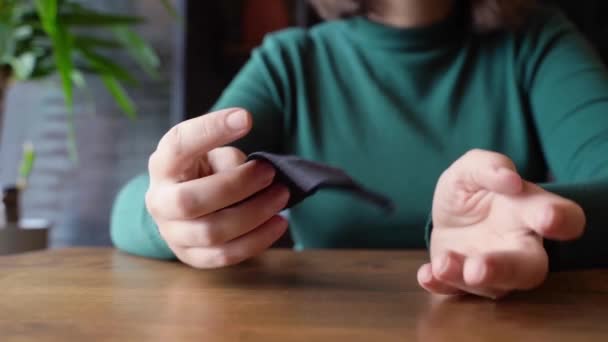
{"type": "Point", "coordinates": [102, 294]}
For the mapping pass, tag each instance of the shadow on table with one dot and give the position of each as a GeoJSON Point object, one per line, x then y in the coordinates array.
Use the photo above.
{"type": "Point", "coordinates": [566, 308]}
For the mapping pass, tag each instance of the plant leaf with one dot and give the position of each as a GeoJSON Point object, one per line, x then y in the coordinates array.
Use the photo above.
{"type": "Point", "coordinates": [23, 32]}
{"type": "Point", "coordinates": [78, 79]}
{"type": "Point", "coordinates": [90, 42]}
{"type": "Point", "coordinates": [62, 47]}
{"type": "Point", "coordinates": [45, 66]}
{"type": "Point", "coordinates": [120, 95]}
{"type": "Point", "coordinates": [139, 50]}
{"type": "Point", "coordinates": [23, 66]}
{"type": "Point", "coordinates": [62, 50]}
{"type": "Point", "coordinates": [48, 10]}
{"type": "Point", "coordinates": [106, 66]}
{"type": "Point", "coordinates": [90, 18]}
{"type": "Point", "coordinates": [7, 43]}
{"type": "Point", "coordinates": [27, 161]}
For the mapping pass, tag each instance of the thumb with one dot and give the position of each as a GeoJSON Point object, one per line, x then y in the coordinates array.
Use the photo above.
{"type": "Point", "coordinates": [479, 170]}
{"type": "Point", "coordinates": [549, 215]}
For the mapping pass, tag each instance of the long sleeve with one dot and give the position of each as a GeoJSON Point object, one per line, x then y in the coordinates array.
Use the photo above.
{"type": "Point", "coordinates": [265, 88]}
{"type": "Point", "coordinates": [132, 229]}
{"type": "Point", "coordinates": [260, 88]}
{"type": "Point", "coordinates": [565, 87]}
{"type": "Point", "coordinates": [568, 95]}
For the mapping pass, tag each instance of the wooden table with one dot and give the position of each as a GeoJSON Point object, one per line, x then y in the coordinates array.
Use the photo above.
{"type": "Point", "coordinates": [102, 294]}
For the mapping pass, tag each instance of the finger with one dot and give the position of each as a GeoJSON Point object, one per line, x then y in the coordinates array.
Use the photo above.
{"type": "Point", "coordinates": [225, 225]}
{"type": "Point", "coordinates": [192, 139]}
{"type": "Point", "coordinates": [479, 169]}
{"type": "Point", "coordinates": [449, 269]}
{"type": "Point", "coordinates": [552, 216]}
{"type": "Point", "coordinates": [199, 197]}
{"type": "Point", "coordinates": [507, 271]}
{"type": "Point", "coordinates": [224, 158]}
{"type": "Point", "coordinates": [432, 284]}
{"type": "Point", "coordinates": [500, 180]}
{"type": "Point", "coordinates": [240, 249]}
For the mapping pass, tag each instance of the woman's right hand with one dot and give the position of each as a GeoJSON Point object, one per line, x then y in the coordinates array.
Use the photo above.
{"type": "Point", "coordinates": [212, 208]}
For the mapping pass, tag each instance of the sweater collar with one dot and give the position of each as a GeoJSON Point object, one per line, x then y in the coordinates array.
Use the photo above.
{"type": "Point", "coordinates": [429, 37]}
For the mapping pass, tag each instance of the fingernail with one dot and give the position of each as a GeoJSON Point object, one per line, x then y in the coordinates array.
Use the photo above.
{"type": "Point", "coordinates": [426, 276]}
{"type": "Point", "coordinates": [444, 264]}
{"type": "Point", "coordinates": [482, 271]}
{"type": "Point", "coordinates": [237, 121]}
{"type": "Point", "coordinates": [475, 271]}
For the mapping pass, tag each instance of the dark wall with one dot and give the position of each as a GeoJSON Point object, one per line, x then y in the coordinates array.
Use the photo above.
{"type": "Point", "coordinates": [590, 17]}
{"type": "Point", "coordinates": [212, 49]}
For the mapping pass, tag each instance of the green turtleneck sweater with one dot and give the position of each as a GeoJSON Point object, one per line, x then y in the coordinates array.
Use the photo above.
{"type": "Point", "coordinates": [395, 107]}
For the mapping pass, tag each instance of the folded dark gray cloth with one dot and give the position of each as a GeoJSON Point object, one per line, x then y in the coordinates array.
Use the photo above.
{"type": "Point", "coordinates": [304, 178]}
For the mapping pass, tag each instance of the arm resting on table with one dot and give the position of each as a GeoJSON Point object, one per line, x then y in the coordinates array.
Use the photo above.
{"type": "Point", "coordinates": [132, 229]}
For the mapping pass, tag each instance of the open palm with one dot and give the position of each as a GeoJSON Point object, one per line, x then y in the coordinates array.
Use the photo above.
{"type": "Point", "coordinates": [489, 226]}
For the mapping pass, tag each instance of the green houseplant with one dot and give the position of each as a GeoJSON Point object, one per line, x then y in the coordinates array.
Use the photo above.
{"type": "Point", "coordinates": [40, 38]}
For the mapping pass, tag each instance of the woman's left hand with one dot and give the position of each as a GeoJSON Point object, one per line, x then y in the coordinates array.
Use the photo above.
{"type": "Point", "coordinates": [489, 226]}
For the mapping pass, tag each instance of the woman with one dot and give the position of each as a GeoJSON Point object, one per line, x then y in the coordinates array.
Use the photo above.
{"type": "Point", "coordinates": [479, 100]}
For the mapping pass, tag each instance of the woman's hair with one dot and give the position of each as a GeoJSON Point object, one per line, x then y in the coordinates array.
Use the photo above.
{"type": "Point", "coordinates": [486, 15]}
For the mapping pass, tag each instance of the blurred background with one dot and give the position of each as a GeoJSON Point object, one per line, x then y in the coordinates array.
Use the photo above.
{"type": "Point", "coordinates": [199, 49]}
